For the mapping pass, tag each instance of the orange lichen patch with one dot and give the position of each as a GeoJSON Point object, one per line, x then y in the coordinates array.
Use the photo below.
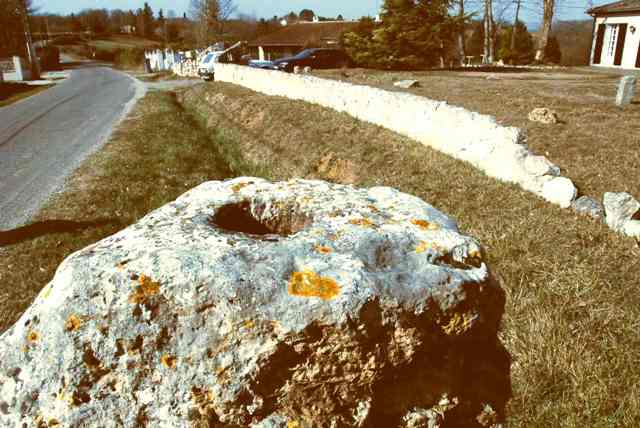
{"type": "Point", "coordinates": [168, 361]}
{"type": "Point", "coordinates": [458, 324]}
{"type": "Point", "coordinates": [73, 323]}
{"type": "Point", "coordinates": [145, 288]}
{"type": "Point", "coordinates": [293, 424]}
{"type": "Point", "coordinates": [422, 247]}
{"type": "Point", "coordinates": [310, 284]}
{"type": "Point", "coordinates": [249, 324]}
{"type": "Point", "coordinates": [425, 225]}
{"type": "Point", "coordinates": [32, 336]}
{"type": "Point", "coordinates": [476, 254]}
{"type": "Point", "coordinates": [238, 187]}
{"type": "Point", "coordinates": [364, 222]}
{"type": "Point", "coordinates": [322, 249]}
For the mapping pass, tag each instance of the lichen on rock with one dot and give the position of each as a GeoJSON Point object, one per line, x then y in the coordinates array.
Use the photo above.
{"type": "Point", "coordinates": [252, 303]}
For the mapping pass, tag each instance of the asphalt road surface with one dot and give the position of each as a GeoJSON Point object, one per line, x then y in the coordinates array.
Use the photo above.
{"type": "Point", "coordinates": [45, 137]}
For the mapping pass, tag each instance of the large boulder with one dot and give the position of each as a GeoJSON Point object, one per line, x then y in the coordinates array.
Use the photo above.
{"type": "Point", "coordinates": [247, 302]}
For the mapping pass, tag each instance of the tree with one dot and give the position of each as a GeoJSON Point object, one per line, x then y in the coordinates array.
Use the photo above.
{"type": "Point", "coordinates": [359, 43]}
{"type": "Point", "coordinates": [162, 24]}
{"type": "Point", "coordinates": [412, 34]}
{"type": "Point", "coordinates": [210, 16]}
{"type": "Point", "coordinates": [339, 18]}
{"type": "Point", "coordinates": [552, 52]}
{"type": "Point", "coordinates": [460, 36]}
{"type": "Point", "coordinates": [518, 49]}
{"type": "Point", "coordinates": [489, 47]}
{"type": "Point", "coordinates": [147, 19]}
{"type": "Point", "coordinates": [547, 18]}
{"type": "Point", "coordinates": [306, 15]}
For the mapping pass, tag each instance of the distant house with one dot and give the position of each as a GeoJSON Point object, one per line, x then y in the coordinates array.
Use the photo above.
{"type": "Point", "coordinates": [293, 38]}
{"type": "Point", "coordinates": [616, 35]}
{"type": "Point", "coordinates": [127, 29]}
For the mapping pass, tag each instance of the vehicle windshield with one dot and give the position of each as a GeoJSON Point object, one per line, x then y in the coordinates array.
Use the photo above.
{"type": "Point", "coordinates": [207, 58]}
{"type": "Point", "coordinates": [304, 54]}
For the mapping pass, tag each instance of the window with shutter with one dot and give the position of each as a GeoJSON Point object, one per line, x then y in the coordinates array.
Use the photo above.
{"type": "Point", "coordinates": [597, 54]}
{"type": "Point", "coordinates": [622, 33]}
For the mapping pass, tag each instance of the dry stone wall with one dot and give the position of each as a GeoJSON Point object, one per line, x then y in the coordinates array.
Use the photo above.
{"type": "Point", "coordinates": [497, 150]}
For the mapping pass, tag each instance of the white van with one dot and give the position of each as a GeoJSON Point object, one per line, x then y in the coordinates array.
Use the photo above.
{"type": "Point", "coordinates": [206, 66]}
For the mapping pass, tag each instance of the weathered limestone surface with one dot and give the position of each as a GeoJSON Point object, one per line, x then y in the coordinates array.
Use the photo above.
{"type": "Point", "coordinates": [247, 302]}
{"type": "Point", "coordinates": [543, 115]}
{"type": "Point", "coordinates": [497, 150]}
{"type": "Point", "coordinates": [622, 213]}
{"type": "Point", "coordinates": [407, 84]}
{"type": "Point", "coordinates": [588, 206]}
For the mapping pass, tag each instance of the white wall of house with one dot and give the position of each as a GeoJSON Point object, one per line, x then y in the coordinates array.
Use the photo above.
{"type": "Point", "coordinates": [611, 35]}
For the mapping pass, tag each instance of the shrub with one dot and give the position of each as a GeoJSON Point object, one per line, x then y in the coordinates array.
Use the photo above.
{"type": "Point", "coordinates": [129, 58]}
{"type": "Point", "coordinates": [412, 35]}
{"type": "Point", "coordinates": [552, 52]}
{"type": "Point", "coordinates": [524, 49]}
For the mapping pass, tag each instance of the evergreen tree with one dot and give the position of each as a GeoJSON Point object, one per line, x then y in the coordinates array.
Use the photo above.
{"type": "Point", "coordinates": [552, 51]}
{"type": "Point", "coordinates": [413, 34]}
{"type": "Point", "coordinates": [162, 24]}
{"type": "Point", "coordinates": [524, 48]}
{"type": "Point", "coordinates": [306, 15]}
{"type": "Point", "coordinates": [359, 43]}
{"type": "Point", "coordinates": [147, 18]}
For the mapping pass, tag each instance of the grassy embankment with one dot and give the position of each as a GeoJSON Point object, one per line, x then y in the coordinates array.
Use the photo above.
{"type": "Point", "coordinates": [124, 51]}
{"type": "Point", "coordinates": [13, 92]}
{"type": "Point", "coordinates": [571, 322]}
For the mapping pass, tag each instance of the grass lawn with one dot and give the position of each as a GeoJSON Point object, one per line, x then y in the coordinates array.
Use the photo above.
{"type": "Point", "coordinates": [115, 42]}
{"type": "Point", "coordinates": [12, 92]}
{"type": "Point", "coordinates": [573, 305]}
{"type": "Point", "coordinates": [596, 144]}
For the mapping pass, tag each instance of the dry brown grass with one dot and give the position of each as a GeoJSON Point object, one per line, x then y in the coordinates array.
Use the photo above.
{"type": "Point", "coordinates": [596, 145]}
{"type": "Point", "coordinates": [573, 307]}
{"type": "Point", "coordinates": [13, 92]}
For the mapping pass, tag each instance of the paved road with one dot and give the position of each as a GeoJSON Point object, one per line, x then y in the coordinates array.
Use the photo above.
{"type": "Point", "coordinates": [45, 137]}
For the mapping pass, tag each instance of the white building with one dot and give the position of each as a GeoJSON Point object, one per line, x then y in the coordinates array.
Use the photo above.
{"type": "Point", "coordinates": [616, 35]}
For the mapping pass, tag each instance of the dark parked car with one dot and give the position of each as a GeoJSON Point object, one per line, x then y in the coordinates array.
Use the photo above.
{"type": "Point", "coordinates": [314, 58]}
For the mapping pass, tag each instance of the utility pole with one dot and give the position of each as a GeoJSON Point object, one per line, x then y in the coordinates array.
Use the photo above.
{"type": "Point", "coordinates": [33, 59]}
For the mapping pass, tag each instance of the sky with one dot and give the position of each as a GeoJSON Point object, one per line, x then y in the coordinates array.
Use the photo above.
{"type": "Point", "coordinates": [350, 9]}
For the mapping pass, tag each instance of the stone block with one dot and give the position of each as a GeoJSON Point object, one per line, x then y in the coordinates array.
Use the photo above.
{"type": "Point", "coordinates": [626, 91]}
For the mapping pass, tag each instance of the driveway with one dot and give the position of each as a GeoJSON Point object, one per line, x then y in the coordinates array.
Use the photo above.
{"type": "Point", "coordinates": [45, 137]}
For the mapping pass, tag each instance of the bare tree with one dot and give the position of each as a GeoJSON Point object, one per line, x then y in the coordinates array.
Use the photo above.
{"type": "Point", "coordinates": [461, 45]}
{"type": "Point", "coordinates": [515, 27]}
{"type": "Point", "coordinates": [210, 16]}
{"type": "Point", "coordinates": [489, 48]}
{"type": "Point", "coordinates": [547, 18]}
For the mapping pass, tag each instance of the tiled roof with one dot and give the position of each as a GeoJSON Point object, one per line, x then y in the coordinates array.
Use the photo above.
{"type": "Point", "coordinates": [304, 33]}
{"type": "Point", "coordinates": [624, 6]}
